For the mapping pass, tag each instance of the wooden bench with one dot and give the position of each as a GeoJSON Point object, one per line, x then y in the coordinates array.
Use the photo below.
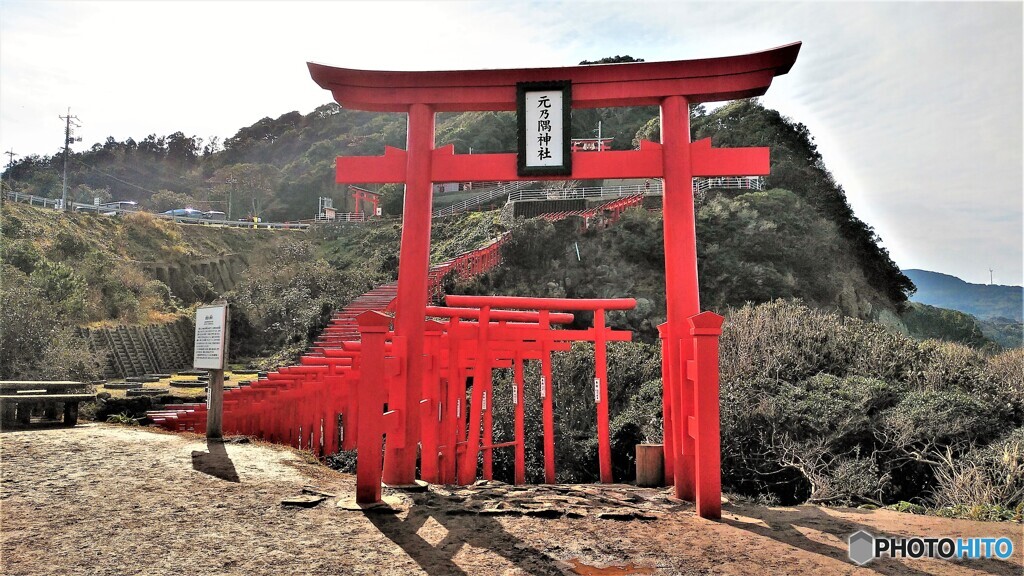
{"type": "Point", "coordinates": [19, 399]}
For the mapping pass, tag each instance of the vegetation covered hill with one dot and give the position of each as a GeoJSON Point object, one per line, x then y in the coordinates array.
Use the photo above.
{"type": "Point", "coordinates": [995, 310]}
{"type": "Point", "coordinates": [762, 246]}
{"type": "Point", "coordinates": [981, 300]}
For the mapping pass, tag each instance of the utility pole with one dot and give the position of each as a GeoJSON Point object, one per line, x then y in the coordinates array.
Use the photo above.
{"type": "Point", "coordinates": [68, 139]}
{"type": "Point", "coordinates": [10, 162]}
{"type": "Point", "coordinates": [231, 187]}
{"type": "Point", "coordinates": [990, 276]}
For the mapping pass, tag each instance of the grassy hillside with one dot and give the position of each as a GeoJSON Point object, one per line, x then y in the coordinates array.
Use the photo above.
{"type": "Point", "coordinates": [64, 270]}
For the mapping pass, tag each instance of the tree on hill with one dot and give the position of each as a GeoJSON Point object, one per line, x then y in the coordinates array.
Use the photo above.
{"type": "Point", "coordinates": [796, 165]}
{"type": "Point", "coordinates": [612, 60]}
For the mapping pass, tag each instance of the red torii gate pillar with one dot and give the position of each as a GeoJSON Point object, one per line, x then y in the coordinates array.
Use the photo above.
{"type": "Point", "coordinates": [672, 85]}
{"type": "Point", "coordinates": [414, 255]}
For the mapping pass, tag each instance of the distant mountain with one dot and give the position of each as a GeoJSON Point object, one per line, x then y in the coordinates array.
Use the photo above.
{"type": "Point", "coordinates": [985, 301]}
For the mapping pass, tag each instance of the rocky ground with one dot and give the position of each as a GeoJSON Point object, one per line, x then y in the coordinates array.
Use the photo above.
{"type": "Point", "coordinates": [105, 499]}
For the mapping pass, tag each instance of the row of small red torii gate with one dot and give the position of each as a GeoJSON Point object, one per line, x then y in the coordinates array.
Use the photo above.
{"type": "Point", "coordinates": [418, 367]}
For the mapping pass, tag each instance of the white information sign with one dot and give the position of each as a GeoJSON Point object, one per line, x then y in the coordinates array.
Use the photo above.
{"type": "Point", "coordinates": [209, 343]}
{"type": "Point", "coordinates": [597, 390]}
{"type": "Point", "coordinates": [543, 388]}
{"type": "Point", "coordinates": [543, 116]}
{"type": "Point", "coordinates": [544, 128]}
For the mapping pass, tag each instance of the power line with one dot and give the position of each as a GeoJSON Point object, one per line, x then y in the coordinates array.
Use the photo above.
{"type": "Point", "coordinates": [90, 167]}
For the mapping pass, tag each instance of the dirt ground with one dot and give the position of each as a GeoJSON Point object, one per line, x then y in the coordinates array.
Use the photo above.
{"type": "Point", "coordinates": [104, 499]}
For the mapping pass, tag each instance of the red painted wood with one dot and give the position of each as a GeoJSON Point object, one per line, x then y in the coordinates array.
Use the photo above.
{"type": "Point", "coordinates": [520, 420]}
{"type": "Point", "coordinates": [429, 422]}
{"type": "Point", "coordinates": [667, 429]}
{"type": "Point", "coordinates": [506, 315]}
{"type": "Point", "coordinates": [391, 167]}
{"type": "Point", "coordinates": [634, 84]}
{"type": "Point", "coordinates": [680, 273]}
{"type": "Point", "coordinates": [371, 397]}
{"type": "Point", "coordinates": [414, 260]}
{"type": "Point", "coordinates": [708, 161]}
{"type": "Point", "coordinates": [604, 446]}
{"type": "Point", "coordinates": [524, 302]}
{"type": "Point", "coordinates": [706, 328]}
{"type": "Point", "coordinates": [297, 402]}
{"type": "Point", "coordinates": [481, 379]}
{"type": "Point", "coordinates": [451, 167]}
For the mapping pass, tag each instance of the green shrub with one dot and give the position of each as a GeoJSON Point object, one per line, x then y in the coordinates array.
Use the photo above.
{"type": "Point", "coordinates": [821, 407]}
{"type": "Point", "coordinates": [907, 507]}
{"type": "Point", "coordinates": [21, 254]}
{"type": "Point", "coordinates": [27, 322]}
{"type": "Point", "coordinates": [985, 477]}
{"type": "Point", "coordinates": [66, 356]}
{"type": "Point", "coordinates": [124, 418]}
{"type": "Point", "coordinates": [65, 290]}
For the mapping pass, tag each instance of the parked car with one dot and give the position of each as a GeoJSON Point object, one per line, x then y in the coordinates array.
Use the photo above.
{"type": "Point", "coordinates": [184, 213]}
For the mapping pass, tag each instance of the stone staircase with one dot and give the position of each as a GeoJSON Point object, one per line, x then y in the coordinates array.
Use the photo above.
{"type": "Point", "coordinates": [343, 325]}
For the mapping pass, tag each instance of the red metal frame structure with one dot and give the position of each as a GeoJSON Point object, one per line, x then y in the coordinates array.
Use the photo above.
{"type": "Point", "coordinates": [690, 384]}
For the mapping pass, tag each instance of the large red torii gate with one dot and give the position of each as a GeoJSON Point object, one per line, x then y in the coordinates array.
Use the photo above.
{"type": "Point", "coordinates": [670, 85]}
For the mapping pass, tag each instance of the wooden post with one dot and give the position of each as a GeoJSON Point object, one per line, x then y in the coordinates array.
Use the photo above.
{"type": "Point", "coordinates": [650, 466]}
{"type": "Point", "coordinates": [706, 328]}
{"type": "Point", "coordinates": [667, 429]}
{"type": "Point", "coordinates": [604, 448]}
{"type": "Point", "coordinates": [215, 413]}
{"type": "Point", "coordinates": [481, 383]}
{"type": "Point", "coordinates": [371, 394]}
{"type": "Point", "coordinates": [547, 393]}
{"type": "Point", "coordinates": [520, 419]}
{"type": "Point", "coordinates": [211, 345]}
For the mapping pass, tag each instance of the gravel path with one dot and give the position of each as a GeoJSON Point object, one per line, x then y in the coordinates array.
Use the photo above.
{"type": "Point", "coordinates": [105, 499]}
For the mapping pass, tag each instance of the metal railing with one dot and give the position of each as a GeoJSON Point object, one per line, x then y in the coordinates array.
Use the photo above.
{"type": "Point", "coordinates": [340, 217]}
{"type": "Point", "coordinates": [33, 200]}
{"type": "Point", "coordinates": [591, 193]}
{"type": "Point", "coordinates": [743, 182]}
{"type": "Point", "coordinates": [654, 188]}
{"type": "Point", "coordinates": [55, 204]}
{"type": "Point", "coordinates": [463, 206]}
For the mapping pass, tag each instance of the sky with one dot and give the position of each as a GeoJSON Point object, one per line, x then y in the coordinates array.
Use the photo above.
{"type": "Point", "coordinates": [915, 107]}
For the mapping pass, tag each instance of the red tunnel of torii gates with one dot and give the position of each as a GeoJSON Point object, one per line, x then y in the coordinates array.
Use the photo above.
{"type": "Point", "coordinates": [691, 408]}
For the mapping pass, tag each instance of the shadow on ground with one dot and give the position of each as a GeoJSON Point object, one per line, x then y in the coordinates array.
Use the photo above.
{"type": "Point", "coordinates": [215, 461]}
{"type": "Point", "coordinates": [784, 526]}
{"type": "Point", "coordinates": [481, 532]}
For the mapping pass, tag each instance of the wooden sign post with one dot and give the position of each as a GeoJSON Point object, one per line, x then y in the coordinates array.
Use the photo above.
{"type": "Point", "coordinates": [211, 345]}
